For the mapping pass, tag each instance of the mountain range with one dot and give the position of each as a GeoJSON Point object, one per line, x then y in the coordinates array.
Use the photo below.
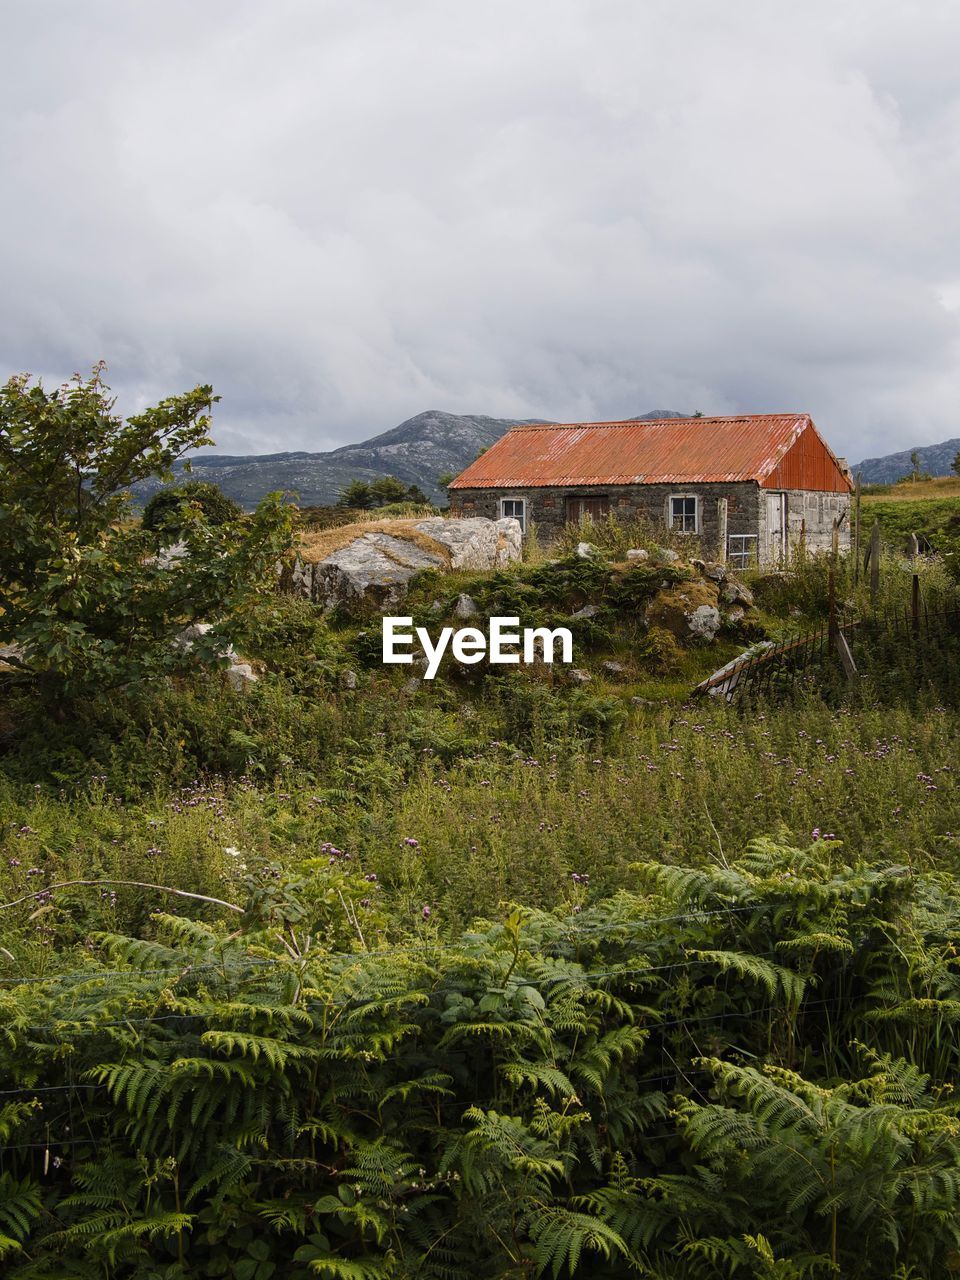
{"type": "Point", "coordinates": [428, 446]}
{"type": "Point", "coordinates": [935, 460]}
{"type": "Point", "coordinates": [418, 451]}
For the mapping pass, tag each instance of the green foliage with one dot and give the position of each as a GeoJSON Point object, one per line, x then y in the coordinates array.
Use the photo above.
{"type": "Point", "coordinates": [163, 510]}
{"type": "Point", "coordinates": [615, 537]}
{"type": "Point", "coordinates": [712, 1074]}
{"type": "Point", "coordinates": [365, 495]}
{"type": "Point", "coordinates": [926, 517]}
{"type": "Point", "coordinates": [84, 597]}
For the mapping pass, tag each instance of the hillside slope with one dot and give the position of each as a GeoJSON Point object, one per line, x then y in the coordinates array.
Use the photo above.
{"type": "Point", "coordinates": [935, 460]}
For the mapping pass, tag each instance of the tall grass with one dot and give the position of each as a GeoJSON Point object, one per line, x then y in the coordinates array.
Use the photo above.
{"type": "Point", "coordinates": [444, 817]}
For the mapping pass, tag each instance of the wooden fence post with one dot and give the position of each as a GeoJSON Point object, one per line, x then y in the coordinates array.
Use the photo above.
{"type": "Point", "coordinates": [838, 640]}
{"type": "Point", "coordinates": [722, 530]}
{"type": "Point", "coordinates": [873, 554]}
{"type": "Point", "coordinates": [856, 532]}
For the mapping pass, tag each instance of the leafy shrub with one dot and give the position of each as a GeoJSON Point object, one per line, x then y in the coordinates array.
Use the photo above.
{"type": "Point", "coordinates": [615, 537]}
{"type": "Point", "coordinates": [164, 510]}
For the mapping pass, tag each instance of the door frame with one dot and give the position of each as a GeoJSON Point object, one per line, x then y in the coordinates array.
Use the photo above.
{"type": "Point", "coordinates": [601, 499]}
{"type": "Point", "coordinates": [778, 535]}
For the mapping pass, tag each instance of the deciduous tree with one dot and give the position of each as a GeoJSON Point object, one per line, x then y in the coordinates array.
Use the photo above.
{"type": "Point", "coordinates": [86, 602]}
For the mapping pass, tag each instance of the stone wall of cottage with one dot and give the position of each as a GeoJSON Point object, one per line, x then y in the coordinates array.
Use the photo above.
{"type": "Point", "coordinates": [811, 515]}
{"type": "Point", "coordinates": [746, 511]}
{"type": "Point", "coordinates": [546, 507]}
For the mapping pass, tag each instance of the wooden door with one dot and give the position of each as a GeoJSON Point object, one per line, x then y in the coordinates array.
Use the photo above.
{"type": "Point", "coordinates": [777, 527]}
{"type": "Point", "coordinates": [596, 506]}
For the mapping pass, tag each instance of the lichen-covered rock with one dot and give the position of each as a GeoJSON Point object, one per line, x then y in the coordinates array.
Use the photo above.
{"type": "Point", "coordinates": [577, 675]}
{"type": "Point", "coordinates": [588, 611]}
{"type": "Point", "coordinates": [587, 551]}
{"type": "Point", "coordinates": [664, 555]}
{"type": "Point", "coordinates": [375, 567]}
{"type": "Point", "coordinates": [734, 592]}
{"type": "Point", "coordinates": [688, 610]}
{"type": "Point", "coordinates": [465, 606]}
{"type": "Point", "coordinates": [710, 569]}
{"type": "Point", "coordinates": [705, 621]}
{"type": "Point", "coordinates": [615, 669]}
{"type": "Point", "coordinates": [638, 553]}
{"type": "Point", "coordinates": [475, 542]}
{"type": "Point", "coordinates": [240, 675]}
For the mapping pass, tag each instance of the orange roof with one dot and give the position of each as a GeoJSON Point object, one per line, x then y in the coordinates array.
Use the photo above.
{"type": "Point", "coordinates": [659, 451]}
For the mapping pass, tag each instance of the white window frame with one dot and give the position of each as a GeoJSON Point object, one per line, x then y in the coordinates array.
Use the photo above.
{"type": "Point", "coordinates": [676, 497]}
{"type": "Point", "coordinates": [522, 517]}
{"type": "Point", "coordinates": [743, 550]}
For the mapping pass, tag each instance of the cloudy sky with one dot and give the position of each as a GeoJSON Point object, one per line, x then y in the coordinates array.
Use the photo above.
{"type": "Point", "coordinates": [342, 213]}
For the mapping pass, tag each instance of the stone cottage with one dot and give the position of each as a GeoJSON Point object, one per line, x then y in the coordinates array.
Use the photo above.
{"type": "Point", "coordinates": [748, 487]}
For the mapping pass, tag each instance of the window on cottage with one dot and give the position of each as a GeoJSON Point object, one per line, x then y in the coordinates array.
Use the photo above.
{"type": "Point", "coordinates": [683, 513]}
{"type": "Point", "coordinates": [515, 508]}
{"type": "Point", "coordinates": [742, 550]}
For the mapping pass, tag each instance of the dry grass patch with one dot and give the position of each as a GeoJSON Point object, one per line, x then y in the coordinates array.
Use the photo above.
{"type": "Point", "coordinates": [913, 491]}
{"type": "Point", "coordinates": [317, 544]}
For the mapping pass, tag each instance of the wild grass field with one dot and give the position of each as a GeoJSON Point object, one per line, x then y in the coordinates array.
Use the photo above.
{"type": "Point", "coordinates": [927, 508]}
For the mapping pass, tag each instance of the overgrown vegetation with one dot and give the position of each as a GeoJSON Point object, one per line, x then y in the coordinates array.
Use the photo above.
{"type": "Point", "coordinates": [495, 976]}
{"type": "Point", "coordinates": [745, 1069]}
{"type": "Point", "coordinates": [165, 512]}
{"type": "Point", "coordinates": [88, 599]}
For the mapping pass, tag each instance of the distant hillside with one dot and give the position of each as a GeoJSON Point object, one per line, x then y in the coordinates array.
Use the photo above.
{"type": "Point", "coordinates": [935, 460]}
{"type": "Point", "coordinates": [419, 450]}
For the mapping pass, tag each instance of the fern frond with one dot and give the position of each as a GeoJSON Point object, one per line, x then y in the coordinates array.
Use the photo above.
{"type": "Point", "coordinates": [561, 1235]}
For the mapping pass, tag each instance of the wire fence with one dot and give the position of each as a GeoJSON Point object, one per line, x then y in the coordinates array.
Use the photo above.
{"type": "Point", "coordinates": [778, 667]}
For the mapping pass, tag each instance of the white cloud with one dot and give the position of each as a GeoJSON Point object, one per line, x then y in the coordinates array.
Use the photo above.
{"type": "Point", "coordinates": [343, 214]}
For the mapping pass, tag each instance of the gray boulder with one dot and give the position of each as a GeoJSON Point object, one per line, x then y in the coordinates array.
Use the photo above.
{"type": "Point", "coordinates": [184, 641]}
{"type": "Point", "coordinates": [475, 542]}
{"type": "Point", "coordinates": [577, 675]}
{"type": "Point", "coordinates": [665, 555]}
{"type": "Point", "coordinates": [465, 606]}
{"type": "Point", "coordinates": [588, 611]}
{"type": "Point", "coordinates": [710, 569]}
{"type": "Point", "coordinates": [376, 568]}
{"type": "Point", "coordinates": [638, 553]}
{"type": "Point", "coordinates": [240, 675]}
{"type": "Point", "coordinates": [735, 592]}
{"type": "Point", "coordinates": [704, 622]}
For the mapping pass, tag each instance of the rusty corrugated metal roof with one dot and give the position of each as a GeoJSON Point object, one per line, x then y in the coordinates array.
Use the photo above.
{"type": "Point", "coordinates": [657, 451]}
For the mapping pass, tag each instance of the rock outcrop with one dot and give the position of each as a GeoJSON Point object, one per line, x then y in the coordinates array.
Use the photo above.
{"type": "Point", "coordinates": [475, 542]}
{"type": "Point", "coordinates": [374, 567]}
{"type": "Point", "coordinates": [688, 610]}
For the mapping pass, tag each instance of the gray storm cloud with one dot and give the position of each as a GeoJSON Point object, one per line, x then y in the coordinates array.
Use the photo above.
{"type": "Point", "coordinates": [343, 213]}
